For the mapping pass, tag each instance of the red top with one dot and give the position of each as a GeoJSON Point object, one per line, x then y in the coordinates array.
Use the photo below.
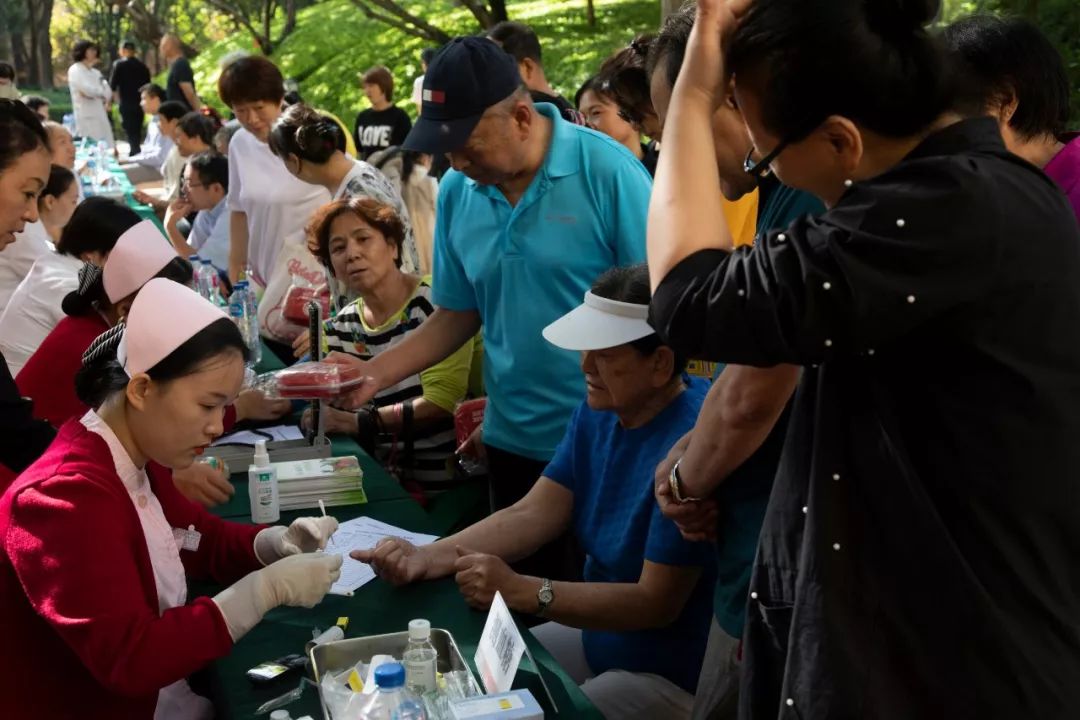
{"type": "Point", "coordinates": [48, 377]}
{"type": "Point", "coordinates": [78, 602]}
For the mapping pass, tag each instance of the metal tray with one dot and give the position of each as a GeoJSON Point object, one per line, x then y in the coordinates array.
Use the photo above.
{"type": "Point", "coordinates": [339, 655]}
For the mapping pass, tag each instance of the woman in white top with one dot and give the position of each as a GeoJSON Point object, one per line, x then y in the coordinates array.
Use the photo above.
{"type": "Point", "coordinates": [90, 94]}
{"type": "Point", "coordinates": [269, 207]}
{"type": "Point", "coordinates": [55, 205]}
{"type": "Point", "coordinates": [312, 146]}
{"type": "Point", "coordinates": [35, 306]}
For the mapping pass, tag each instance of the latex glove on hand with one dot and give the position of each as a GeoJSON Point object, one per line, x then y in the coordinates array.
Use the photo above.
{"type": "Point", "coordinates": [297, 581]}
{"type": "Point", "coordinates": [304, 535]}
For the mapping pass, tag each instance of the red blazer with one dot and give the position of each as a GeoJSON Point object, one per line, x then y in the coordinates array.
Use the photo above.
{"type": "Point", "coordinates": [79, 607]}
{"type": "Point", "coordinates": [48, 377]}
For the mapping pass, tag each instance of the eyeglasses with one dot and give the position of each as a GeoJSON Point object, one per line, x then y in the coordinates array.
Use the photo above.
{"type": "Point", "coordinates": [189, 184]}
{"type": "Point", "coordinates": [762, 168]}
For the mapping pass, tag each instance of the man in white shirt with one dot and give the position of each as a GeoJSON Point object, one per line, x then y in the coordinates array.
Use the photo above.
{"type": "Point", "coordinates": [146, 166]}
{"type": "Point", "coordinates": [206, 184]}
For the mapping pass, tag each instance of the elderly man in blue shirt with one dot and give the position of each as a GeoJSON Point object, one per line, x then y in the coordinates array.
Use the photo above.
{"type": "Point", "coordinates": [534, 209]}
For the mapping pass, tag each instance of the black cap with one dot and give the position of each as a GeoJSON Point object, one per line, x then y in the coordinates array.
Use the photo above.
{"type": "Point", "coordinates": [128, 45]}
{"type": "Point", "coordinates": [465, 78]}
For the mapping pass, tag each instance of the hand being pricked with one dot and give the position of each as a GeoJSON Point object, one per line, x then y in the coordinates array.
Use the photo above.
{"type": "Point", "coordinates": [395, 560]}
{"type": "Point", "coordinates": [479, 576]}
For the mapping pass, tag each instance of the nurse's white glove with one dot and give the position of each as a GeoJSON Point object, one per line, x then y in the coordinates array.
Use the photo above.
{"type": "Point", "coordinates": [297, 581]}
{"type": "Point", "coordinates": [305, 535]}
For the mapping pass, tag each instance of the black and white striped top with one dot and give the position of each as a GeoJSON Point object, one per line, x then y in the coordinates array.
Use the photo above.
{"type": "Point", "coordinates": [444, 384]}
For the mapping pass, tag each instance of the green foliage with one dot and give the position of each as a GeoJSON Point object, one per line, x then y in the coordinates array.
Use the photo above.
{"type": "Point", "coordinates": [59, 100]}
{"type": "Point", "coordinates": [334, 42]}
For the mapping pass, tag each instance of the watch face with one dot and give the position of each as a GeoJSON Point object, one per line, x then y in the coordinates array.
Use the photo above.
{"type": "Point", "coordinates": [546, 596]}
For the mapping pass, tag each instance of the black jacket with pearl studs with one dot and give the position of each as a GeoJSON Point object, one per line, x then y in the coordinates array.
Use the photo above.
{"type": "Point", "coordinates": [920, 557]}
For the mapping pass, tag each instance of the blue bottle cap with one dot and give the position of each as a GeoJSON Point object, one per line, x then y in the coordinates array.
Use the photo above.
{"type": "Point", "coordinates": [390, 675]}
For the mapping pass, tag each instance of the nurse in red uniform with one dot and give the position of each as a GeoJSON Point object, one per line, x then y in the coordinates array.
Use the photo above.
{"type": "Point", "coordinates": [102, 299]}
{"type": "Point", "coordinates": [94, 552]}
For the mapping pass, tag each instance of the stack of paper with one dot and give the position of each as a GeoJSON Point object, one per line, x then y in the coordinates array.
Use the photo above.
{"type": "Point", "coordinates": [364, 533]}
{"type": "Point", "coordinates": [335, 481]}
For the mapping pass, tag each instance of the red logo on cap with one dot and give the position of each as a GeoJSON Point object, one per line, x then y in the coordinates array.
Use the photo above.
{"type": "Point", "coordinates": [435, 96]}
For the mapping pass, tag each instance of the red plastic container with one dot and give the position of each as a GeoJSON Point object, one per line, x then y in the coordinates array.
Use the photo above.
{"type": "Point", "coordinates": [316, 381]}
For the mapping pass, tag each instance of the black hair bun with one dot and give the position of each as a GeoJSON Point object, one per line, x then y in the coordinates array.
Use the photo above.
{"type": "Point", "coordinates": [898, 18]}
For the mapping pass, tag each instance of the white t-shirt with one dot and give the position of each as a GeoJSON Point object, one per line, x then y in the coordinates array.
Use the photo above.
{"type": "Point", "coordinates": [34, 309]}
{"type": "Point", "coordinates": [17, 259]}
{"type": "Point", "coordinates": [418, 92]}
{"type": "Point", "coordinates": [278, 205]}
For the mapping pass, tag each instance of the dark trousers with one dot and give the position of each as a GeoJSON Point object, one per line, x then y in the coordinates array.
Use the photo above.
{"type": "Point", "coordinates": [511, 477]}
{"type": "Point", "coordinates": [131, 118]}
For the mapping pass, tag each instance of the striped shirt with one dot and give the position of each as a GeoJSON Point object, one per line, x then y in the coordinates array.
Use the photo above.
{"type": "Point", "coordinates": [443, 384]}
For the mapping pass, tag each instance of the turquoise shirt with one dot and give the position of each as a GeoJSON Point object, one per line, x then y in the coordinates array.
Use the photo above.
{"type": "Point", "coordinates": [525, 266]}
{"type": "Point", "coordinates": [745, 494]}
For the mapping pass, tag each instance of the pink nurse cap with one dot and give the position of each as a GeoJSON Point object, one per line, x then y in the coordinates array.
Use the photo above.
{"type": "Point", "coordinates": [139, 254]}
{"type": "Point", "coordinates": [164, 316]}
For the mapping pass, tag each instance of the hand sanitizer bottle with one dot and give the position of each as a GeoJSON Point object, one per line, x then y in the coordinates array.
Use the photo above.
{"type": "Point", "coordinates": [263, 487]}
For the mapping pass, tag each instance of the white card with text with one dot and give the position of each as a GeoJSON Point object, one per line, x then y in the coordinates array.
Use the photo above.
{"type": "Point", "coordinates": [501, 646]}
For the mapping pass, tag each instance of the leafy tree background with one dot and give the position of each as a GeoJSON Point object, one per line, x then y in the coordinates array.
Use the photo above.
{"type": "Point", "coordinates": [331, 41]}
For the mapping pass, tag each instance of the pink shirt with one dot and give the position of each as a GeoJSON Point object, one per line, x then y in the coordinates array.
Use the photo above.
{"type": "Point", "coordinates": [1064, 169]}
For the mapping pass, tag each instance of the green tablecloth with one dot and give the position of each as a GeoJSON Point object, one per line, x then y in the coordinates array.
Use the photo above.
{"type": "Point", "coordinates": [376, 608]}
{"type": "Point", "coordinates": [144, 211]}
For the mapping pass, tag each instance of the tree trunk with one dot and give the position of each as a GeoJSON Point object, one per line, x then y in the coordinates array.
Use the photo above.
{"type": "Point", "coordinates": [667, 7]}
{"type": "Point", "coordinates": [590, 13]}
{"type": "Point", "coordinates": [45, 68]}
{"type": "Point", "coordinates": [498, 11]}
{"type": "Point", "coordinates": [392, 14]}
{"type": "Point", "coordinates": [7, 50]}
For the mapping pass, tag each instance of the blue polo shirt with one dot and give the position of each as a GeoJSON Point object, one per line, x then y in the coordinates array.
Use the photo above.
{"type": "Point", "coordinates": [524, 267]}
{"type": "Point", "coordinates": [609, 469]}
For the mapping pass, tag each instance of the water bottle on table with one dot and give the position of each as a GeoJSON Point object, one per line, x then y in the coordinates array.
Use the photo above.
{"type": "Point", "coordinates": [420, 659]}
{"type": "Point", "coordinates": [243, 311]}
{"type": "Point", "coordinates": [391, 701]}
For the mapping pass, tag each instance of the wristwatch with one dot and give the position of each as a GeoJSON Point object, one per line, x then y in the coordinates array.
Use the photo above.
{"type": "Point", "coordinates": [544, 596]}
{"type": "Point", "coordinates": [676, 486]}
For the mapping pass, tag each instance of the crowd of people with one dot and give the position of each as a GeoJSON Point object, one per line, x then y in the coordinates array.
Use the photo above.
{"type": "Point", "coordinates": [774, 326]}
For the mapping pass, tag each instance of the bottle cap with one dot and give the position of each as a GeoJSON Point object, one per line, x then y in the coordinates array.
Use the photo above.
{"type": "Point", "coordinates": [419, 629]}
{"type": "Point", "coordinates": [262, 458]}
{"type": "Point", "coordinates": [390, 675]}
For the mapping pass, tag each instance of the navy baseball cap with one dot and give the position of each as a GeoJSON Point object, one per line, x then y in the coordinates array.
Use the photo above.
{"type": "Point", "coordinates": [465, 78]}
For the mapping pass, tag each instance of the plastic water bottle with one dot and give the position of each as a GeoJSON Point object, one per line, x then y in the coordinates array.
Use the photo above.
{"type": "Point", "coordinates": [390, 699]}
{"type": "Point", "coordinates": [242, 310]}
{"type": "Point", "coordinates": [196, 265]}
{"type": "Point", "coordinates": [206, 277]}
{"type": "Point", "coordinates": [409, 709]}
{"type": "Point", "coordinates": [255, 341]}
{"type": "Point", "coordinates": [420, 659]}
{"type": "Point", "coordinates": [238, 303]}
{"type": "Point", "coordinates": [69, 123]}
{"type": "Point", "coordinates": [92, 173]}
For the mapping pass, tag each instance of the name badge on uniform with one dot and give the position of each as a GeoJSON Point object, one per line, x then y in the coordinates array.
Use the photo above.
{"type": "Point", "coordinates": [187, 539]}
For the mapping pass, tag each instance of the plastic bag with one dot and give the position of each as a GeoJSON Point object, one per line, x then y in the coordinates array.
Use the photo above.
{"type": "Point", "coordinates": [311, 381]}
{"type": "Point", "coordinates": [300, 293]}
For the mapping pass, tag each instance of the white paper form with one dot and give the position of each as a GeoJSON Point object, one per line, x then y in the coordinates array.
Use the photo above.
{"type": "Point", "coordinates": [269, 434]}
{"type": "Point", "coordinates": [364, 533]}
